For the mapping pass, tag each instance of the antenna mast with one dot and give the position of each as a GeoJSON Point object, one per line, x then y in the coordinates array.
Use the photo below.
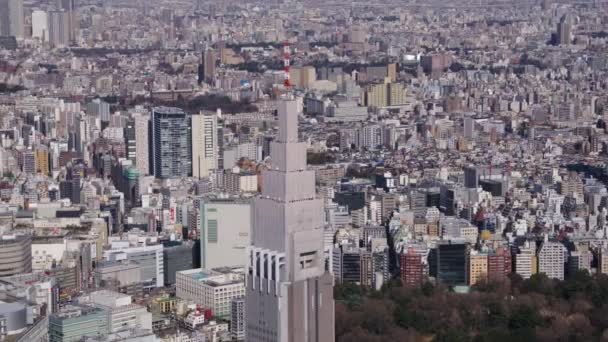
{"type": "Point", "coordinates": [286, 55]}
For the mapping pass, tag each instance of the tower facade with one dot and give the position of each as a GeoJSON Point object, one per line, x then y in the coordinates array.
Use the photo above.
{"type": "Point", "coordinates": [204, 145]}
{"type": "Point", "coordinates": [170, 143]}
{"type": "Point", "coordinates": [289, 295]}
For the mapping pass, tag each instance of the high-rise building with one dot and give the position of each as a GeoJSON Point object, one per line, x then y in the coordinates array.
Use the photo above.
{"type": "Point", "coordinates": [69, 6]}
{"type": "Point", "coordinates": [59, 26]}
{"type": "Point", "coordinates": [412, 268]}
{"type": "Point", "coordinates": [471, 177]}
{"type": "Point", "coordinates": [12, 18]}
{"type": "Point", "coordinates": [385, 94]}
{"type": "Point", "coordinates": [289, 294]}
{"type": "Point", "coordinates": [499, 264]}
{"type": "Point", "coordinates": [452, 263]}
{"type": "Point", "coordinates": [225, 232]}
{"type": "Point", "coordinates": [177, 257]}
{"type": "Point", "coordinates": [129, 134]}
{"type": "Point", "coordinates": [237, 319]}
{"type": "Point", "coordinates": [40, 25]}
{"type": "Point", "coordinates": [204, 144]}
{"type": "Point", "coordinates": [564, 30]}
{"type": "Point", "coordinates": [478, 268]}
{"type": "Point", "coordinates": [142, 143]}
{"type": "Point", "coordinates": [42, 160]}
{"type": "Point", "coordinates": [525, 260]}
{"type": "Point", "coordinates": [552, 258]}
{"type": "Point", "coordinates": [29, 162]}
{"type": "Point", "coordinates": [208, 65]}
{"type": "Point", "coordinates": [170, 143]}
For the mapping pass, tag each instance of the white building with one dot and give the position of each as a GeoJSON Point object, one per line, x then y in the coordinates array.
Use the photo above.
{"type": "Point", "coordinates": [551, 259]}
{"type": "Point", "coordinates": [204, 144]}
{"type": "Point", "coordinates": [122, 314]}
{"type": "Point", "coordinates": [225, 232]}
{"type": "Point", "coordinates": [213, 289]}
{"type": "Point", "coordinates": [40, 25]}
{"type": "Point", "coordinates": [148, 257]}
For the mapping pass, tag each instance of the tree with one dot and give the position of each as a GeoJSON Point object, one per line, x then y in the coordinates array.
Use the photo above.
{"type": "Point", "coordinates": [524, 316]}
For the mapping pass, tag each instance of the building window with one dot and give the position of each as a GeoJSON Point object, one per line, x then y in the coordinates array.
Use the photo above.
{"type": "Point", "coordinates": [212, 231]}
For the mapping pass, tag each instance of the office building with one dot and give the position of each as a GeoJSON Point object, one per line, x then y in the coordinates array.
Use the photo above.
{"type": "Point", "coordinates": [478, 268]}
{"type": "Point", "coordinates": [40, 25]}
{"type": "Point", "coordinates": [149, 258]}
{"type": "Point", "coordinates": [452, 263]}
{"type": "Point", "coordinates": [142, 143]}
{"type": "Point", "coordinates": [289, 293]}
{"type": "Point", "coordinates": [499, 265]}
{"type": "Point", "coordinates": [204, 144]}
{"type": "Point", "coordinates": [177, 256]}
{"type": "Point", "coordinates": [206, 72]}
{"type": "Point", "coordinates": [385, 94]}
{"type": "Point", "coordinates": [170, 143]}
{"type": "Point", "coordinates": [525, 260]}
{"type": "Point", "coordinates": [214, 289]}
{"type": "Point", "coordinates": [412, 268]}
{"type": "Point", "coordinates": [29, 162]}
{"type": "Point", "coordinates": [471, 177]}
{"type": "Point", "coordinates": [12, 18]}
{"type": "Point", "coordinates": [130, 136]}
{"type": "Point", "coordinates": [351, 265]}
{"type": "Point", "coordinates": [69, 6]}
{"type": "Point", "coordinates": [15, 255]}
{"type": "Point", "coordinates": [121, 312]}
{"type": "Point", "coordinates": [75, 323]}
{"type": "Point", "coordinates": [237, 319]}
{"type": "Point", "coordinates": [59, 26]}
{"type": "Point", "coordinates": [552, 257]}
{"type": "Point", "coordinates": [225, 232]}
{"type": "Point", "coordinates": [564, 30]}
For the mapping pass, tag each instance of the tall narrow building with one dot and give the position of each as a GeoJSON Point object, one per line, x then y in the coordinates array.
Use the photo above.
{"type": "Point", "coordinates": [289, 295]}
{"type": "Point", "coordinates": [204, 144]}
{"type": "Point", "coordinates": [11, 18]}
{"type": "Point", "coordinates": [69, 6]}
{"type": "Point", "coordinates": [171, 155]}
{"type": "Point", "coordinates": [142, 155]}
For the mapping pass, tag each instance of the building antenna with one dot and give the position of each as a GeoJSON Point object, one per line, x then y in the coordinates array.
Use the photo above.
{"type": "Point", "coordinates": [286, 62]}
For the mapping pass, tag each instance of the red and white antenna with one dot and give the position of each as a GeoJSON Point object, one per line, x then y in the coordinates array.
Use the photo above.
{"type": "Point", "coordinates": [286, 50]}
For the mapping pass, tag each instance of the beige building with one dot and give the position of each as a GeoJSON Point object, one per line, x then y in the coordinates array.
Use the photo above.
{"type": "Point", "coordinates": [204, 144]}
{"type": "Point", "coordinates": [385, 94]}
{"type": "Point", "coordinates": [478, 268]}
{"type": "Point", "coordinates": [302, 76]}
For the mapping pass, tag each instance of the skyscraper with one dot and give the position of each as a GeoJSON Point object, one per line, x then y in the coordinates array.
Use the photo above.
{"type": "Point", "coordinates": [129, 135]}
{"type": "Point", "coordinates": [58, 28]}
{"type": "Point", "coordinates": [40, 25]}
{"type": "Point", "coordinates": [564, 30]}
{"type": "Point", "coordinates": [69, 6]}
{"type": "Point", "coordinates": [11, 18]}
{"type": "Point", "coordinates": [209, 59]}
{"type": "Point", "coordinates": [471, 177]}
{"type": "Point", "coordinates": [204, 144]}
{"type": "Point", "coordinates": [289, 294]}
{"type": "Point", "coordinates": [170, 143]}
{"type": "Point", "coordinates": [142, 154]}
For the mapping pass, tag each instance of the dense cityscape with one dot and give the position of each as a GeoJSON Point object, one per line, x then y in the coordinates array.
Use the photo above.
{"type": "Point", "coordinates": [303, 170]}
